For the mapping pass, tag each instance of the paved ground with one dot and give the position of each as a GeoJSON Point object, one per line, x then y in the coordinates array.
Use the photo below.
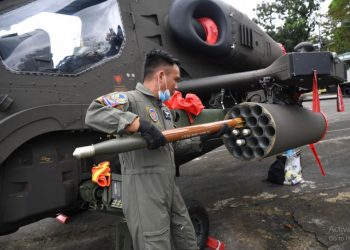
{"type": "Point", "coordinates": [245, 211]}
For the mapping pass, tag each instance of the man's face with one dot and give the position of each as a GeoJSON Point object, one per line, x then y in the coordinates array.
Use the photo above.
{"type": "Point", "coordinates": [172, 78]}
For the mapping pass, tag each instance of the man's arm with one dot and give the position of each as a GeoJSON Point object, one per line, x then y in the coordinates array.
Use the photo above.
{"type": "Point", "coordinates": [134, 126]}
{"type": "Point", "coordinates": [112, 116]}
{"type": "Point", "coordinates": [109, 117]}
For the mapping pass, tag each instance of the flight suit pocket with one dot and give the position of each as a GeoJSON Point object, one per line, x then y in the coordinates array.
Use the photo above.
{"type": "Point", "coordinates": [182, 238]}
{"type": "Point", "coordinates": [179, 236]}
{"type": "Point", "coordinates": [157, 239]}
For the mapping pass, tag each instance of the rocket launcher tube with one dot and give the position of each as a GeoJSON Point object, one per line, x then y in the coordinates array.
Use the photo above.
{"type": "Point", "coordinates": [274, 129]}
{"type": "Point", "coordinates": [133, 142]}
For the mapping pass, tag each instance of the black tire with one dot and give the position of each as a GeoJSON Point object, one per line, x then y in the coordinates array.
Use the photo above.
{"type": "Point", "coordinates": [346, 91]}
{"type": "Point", "coordinates": [200, 221]}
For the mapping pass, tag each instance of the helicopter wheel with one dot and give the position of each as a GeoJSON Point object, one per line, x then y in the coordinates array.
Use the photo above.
{"type": "Point", "coordinates": [200, 221]}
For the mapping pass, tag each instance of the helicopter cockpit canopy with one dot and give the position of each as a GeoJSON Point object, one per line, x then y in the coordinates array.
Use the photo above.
{"type": "Point", "coordinates": [63, 37]}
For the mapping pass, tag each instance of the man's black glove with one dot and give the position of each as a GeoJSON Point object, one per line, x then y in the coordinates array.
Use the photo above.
{"type": "Point", "coordinates": [224, 130]}
{"type": "Point", "coordinates": [152, 135]}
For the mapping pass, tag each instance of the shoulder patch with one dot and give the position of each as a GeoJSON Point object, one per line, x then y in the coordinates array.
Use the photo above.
{"type": "Point", "coordinates": [114, 99]}
{"type": "Point", "coordinates": [152, 113]}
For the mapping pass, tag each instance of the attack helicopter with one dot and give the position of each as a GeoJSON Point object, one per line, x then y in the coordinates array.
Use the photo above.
{"type": "Point", "coordinates": [56, 57]}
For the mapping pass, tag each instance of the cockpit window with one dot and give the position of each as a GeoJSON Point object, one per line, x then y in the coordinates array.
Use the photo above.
{"type": "Point", "coordinates": [64, 37]}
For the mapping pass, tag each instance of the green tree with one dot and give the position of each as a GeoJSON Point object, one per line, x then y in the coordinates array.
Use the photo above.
{"type": "Point", "coordinates": [339, 13]}
{"type": "Point", "coordinates": [288, 21]}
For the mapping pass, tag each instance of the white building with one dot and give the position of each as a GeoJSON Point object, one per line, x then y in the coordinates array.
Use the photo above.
{"type": "Point", "coordinates": [346, 59]}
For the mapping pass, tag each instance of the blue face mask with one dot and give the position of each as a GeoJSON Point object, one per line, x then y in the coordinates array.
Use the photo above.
{"type": "Point", "coordinates": [163, 95]}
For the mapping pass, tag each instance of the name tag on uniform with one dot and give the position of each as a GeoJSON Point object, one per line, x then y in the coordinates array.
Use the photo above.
{"type": "Point", "coordinates": [167, 114]}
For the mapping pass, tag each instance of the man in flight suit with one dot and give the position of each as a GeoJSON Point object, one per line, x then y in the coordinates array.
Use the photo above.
{"type": "Point", "coordinates": [156, 214]}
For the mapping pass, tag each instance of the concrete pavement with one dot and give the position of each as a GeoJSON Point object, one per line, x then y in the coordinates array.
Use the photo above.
{"type": "Point", "coordinates": [246, 211]}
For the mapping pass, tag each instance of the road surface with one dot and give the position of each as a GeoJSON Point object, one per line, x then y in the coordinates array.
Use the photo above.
{"type": "Point", "coordinates": [246, 211]}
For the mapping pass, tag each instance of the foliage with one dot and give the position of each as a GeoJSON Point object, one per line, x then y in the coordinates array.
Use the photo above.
{"type": "Point", "coordinates": [339, 19]}
{"type": "Point", "coordinates": [339, 9]}
{"type": "Point", "coordinates": [288, 21]}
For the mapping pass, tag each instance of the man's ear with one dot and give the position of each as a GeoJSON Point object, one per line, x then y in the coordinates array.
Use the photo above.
{"type": "Point", "coordinates": [161, 76]}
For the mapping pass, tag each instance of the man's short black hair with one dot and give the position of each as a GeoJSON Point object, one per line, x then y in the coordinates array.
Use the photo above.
{"type": "Point", "coordinates": [156, 58]}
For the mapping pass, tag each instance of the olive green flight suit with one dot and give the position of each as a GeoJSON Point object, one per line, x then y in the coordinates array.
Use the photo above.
{"type": "Point", "coordinates": [156, 214]}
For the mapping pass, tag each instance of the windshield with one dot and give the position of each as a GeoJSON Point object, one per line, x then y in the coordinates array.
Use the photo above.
{"type": "Point", "coordinates": [63, 36]}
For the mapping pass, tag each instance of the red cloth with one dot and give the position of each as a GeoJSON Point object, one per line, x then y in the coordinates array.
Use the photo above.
{"type": "Point", "coordinates": [191, 104]}
{"type": "Point", "coordinates": [211, 29]}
